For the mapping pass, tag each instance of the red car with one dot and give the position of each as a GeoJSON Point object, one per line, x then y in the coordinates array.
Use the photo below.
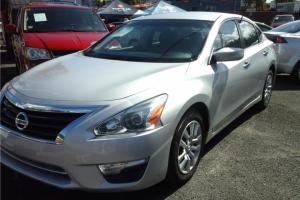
{"type": "Point", "coordinates": [281, 19]}
{"type": "Point", "coordinates": [46, 31]}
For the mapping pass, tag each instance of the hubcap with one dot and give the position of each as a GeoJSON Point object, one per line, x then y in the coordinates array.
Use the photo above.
{"type": "Point", "coordinates": [268, 88]}
{"type": "Point", "coordinates": [189, 147]}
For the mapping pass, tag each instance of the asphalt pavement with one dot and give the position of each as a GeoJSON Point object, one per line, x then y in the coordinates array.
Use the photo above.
{"type": "Point", "coordinates": [255, 157]}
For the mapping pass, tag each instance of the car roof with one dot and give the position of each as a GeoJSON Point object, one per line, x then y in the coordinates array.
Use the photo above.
{"type": "Point", "coordinates": [284, 15]}
{"type": "Point", "coordinates": [53, 5]}
{"type": "Point", "coordinates": [207, 16]}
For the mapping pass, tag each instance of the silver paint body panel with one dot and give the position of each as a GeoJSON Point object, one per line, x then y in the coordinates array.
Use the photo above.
{"type": "Point", "coordinates": [102, 88]}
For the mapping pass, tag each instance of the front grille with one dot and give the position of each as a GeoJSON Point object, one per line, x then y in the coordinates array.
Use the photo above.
{"type": "Point", "coordinates": [42, 125]}
{"type": "Point", "coordinates": [63, 52]}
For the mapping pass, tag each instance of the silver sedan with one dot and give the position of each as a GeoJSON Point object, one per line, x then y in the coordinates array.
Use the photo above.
{"type": "Point", "coordinates": [138, 106]}
{"type": "Point", "coordinates": [286, 40]}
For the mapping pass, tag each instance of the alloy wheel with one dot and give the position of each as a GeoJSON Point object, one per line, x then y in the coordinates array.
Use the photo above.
{"type": "Point", "coordinates": [268, 88]}
{"type": "Point", "coordinates": [189, 147]}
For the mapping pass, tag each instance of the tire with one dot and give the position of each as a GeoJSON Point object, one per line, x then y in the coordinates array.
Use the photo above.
{"type": "Point", "coordinates": [267, 91]}
{"type": "Point", "coordinates": [296, 73]}
{"type": "Point", "coordinates": [178, 175]}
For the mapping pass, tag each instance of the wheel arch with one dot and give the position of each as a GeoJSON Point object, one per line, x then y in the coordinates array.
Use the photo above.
{"type": "Point", "coordinates": [201, 107]}
{"type": "Point", "coordinates": [296, 65]}
{"type": "Point", "coordinates": [273, 68]}
{"type": "Point", "coordinates": [203, 110]}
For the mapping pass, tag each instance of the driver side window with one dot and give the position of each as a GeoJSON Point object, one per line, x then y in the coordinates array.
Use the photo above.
{"type": "Point", "coordinates": [228, 36]}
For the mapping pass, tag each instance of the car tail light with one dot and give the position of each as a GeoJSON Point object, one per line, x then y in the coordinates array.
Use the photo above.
{"type": "Point", "coordinates": [279, 40]}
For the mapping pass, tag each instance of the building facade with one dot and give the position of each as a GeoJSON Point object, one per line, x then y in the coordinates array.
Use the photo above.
{"type": "Point", "coordinates": [288, 6]}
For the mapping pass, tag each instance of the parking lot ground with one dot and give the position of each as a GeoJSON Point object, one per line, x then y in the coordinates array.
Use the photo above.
{"type": "Point", "coordinates": [255, 157]}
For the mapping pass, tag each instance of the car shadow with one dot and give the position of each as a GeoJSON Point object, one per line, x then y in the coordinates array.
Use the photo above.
{"type": "Point", "coordinates": [286, 82]}
{"type": "Point", "coordinates": [231, 127]}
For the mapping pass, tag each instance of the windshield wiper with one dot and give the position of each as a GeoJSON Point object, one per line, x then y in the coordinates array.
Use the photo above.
{"type": "Point", "coordinates": [68, 30]}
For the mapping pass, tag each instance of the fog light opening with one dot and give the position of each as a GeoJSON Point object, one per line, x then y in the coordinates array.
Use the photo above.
{"type": "Point", "coordinates": [116, 168]}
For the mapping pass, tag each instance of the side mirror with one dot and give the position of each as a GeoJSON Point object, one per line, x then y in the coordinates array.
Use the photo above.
{"type": "Point", "coordinates": [227, 54]}
{"type": "Point", "coordinates": [10, 28]}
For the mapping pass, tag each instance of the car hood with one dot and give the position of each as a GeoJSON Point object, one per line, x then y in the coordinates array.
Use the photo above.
{"type": "Point", "coordinates": [76, 77]}
{"type": "Point", "coordinates": [62, 40]}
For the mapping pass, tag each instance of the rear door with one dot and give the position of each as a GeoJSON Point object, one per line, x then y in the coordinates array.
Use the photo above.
{"type": "Point", "coordinates": [256, 54]}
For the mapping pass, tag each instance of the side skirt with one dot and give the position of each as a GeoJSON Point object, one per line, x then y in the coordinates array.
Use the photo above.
{"type": "Point", "coordinates": [234, 115]}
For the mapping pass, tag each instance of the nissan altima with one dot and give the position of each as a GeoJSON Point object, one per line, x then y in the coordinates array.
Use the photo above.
{"type": "Point", "coordinates": [138, 106]}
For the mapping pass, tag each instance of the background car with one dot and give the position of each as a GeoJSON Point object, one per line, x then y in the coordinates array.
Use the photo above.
{"type": "Point", "coordinates": [287, 45]}
{"type": "Point", "coordinates": [282, 19]}
{"type": "Point", "coordinates": [44, 31]}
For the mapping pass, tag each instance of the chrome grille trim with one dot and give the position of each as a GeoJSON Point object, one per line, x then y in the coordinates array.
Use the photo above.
{"type": "Point", "coordinates": [17, 134]}
{"type": "Point", "coordinates": [42, 125]}
{"type": "Point", "coordinates": [42, 108]}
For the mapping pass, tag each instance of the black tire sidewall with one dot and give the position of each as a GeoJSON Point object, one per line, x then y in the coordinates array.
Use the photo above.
{"type": "Point", "coordinates": [296, 73]}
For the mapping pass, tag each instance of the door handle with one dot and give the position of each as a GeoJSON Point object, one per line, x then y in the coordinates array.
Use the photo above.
{"type": "Point", "coordinates": [246, 64]}
{"type": "Point", "coordinates": [265, 53]}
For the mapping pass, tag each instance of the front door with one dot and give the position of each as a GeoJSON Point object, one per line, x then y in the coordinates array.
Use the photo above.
{"type": "Point", "coordinates": [231, 78]}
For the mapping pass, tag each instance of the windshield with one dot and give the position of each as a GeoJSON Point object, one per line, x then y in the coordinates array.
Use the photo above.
{"type": "Point", "coordinates": [61, 20]}
{"type": "Point", "coordinates": [283, 19]}
{"type": "Point", "coordinates": [154, 41]}
{"type": "Point", "coordinates": [292, 27]}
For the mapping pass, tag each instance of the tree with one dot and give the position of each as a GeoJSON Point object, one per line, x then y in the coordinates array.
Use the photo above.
{"type": "Point", "coordinates": [247, 3]}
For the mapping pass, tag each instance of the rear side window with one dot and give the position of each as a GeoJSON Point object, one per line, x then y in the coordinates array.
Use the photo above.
{"type": "Point", "coordinates": [249, 34]}
{"type": "Point", "coordinates": [228, 36]}
{"type": "Point", "coordinates": [263, 27]}
{"type": "Point", "coordinates": [259, 34]}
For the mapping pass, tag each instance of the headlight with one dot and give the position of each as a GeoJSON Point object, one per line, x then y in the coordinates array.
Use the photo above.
{"type": "Point", "coordinates": [141, 117]}
{"type": "Point", "coordinates": [37, 54]}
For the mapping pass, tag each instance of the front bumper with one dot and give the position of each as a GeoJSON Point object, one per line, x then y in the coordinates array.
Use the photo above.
{"type": "Point", "coordinates": [74, 164]}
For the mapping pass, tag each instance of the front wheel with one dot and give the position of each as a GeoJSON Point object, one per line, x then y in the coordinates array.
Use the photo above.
{"type": "Point", "coordinates": [187, 148]}
{"type": "Point", "coordinates": [267, 91]}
